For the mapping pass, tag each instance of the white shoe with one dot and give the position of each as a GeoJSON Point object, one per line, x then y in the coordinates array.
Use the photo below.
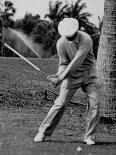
{"type": "Point", "coordinates": [39, 137]}
{"type": "Point", "coordinates": [89, 142]}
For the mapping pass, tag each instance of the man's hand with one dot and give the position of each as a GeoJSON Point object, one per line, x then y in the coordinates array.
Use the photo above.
{"type": "Point", "coordinates": [55, 79]}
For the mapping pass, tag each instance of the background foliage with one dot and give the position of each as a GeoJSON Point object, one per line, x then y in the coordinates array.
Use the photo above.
{"type": "Point", "coordinates": [44, 31]}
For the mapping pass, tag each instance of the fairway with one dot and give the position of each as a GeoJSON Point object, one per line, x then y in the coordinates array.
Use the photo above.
{"type": "Point", "coordinates": [23, 106]}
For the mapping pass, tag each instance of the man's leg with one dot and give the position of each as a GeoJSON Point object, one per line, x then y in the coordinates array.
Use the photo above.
{"type": "Point", "coordinates": [90, 87]}
{"type": "Point", "coordinates": [54, 115]}
{"type": "Point", "coordinates": [92, 118]}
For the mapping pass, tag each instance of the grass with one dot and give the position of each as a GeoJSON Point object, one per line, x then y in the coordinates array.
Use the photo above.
{"type": "Point", "coordinates": [23, 107]}
{"type": "Point", "coordinates": [21, 84]}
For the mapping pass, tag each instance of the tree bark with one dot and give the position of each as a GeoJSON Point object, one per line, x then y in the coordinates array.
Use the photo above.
{"type": "Point", "coordinates": [106, 61]}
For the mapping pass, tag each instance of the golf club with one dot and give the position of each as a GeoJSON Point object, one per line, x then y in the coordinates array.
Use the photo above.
{"type": "Point", "coordinates": [38, 69]}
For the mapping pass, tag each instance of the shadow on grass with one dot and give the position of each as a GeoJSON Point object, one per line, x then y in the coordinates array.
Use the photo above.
{"type": "Point", "coordinates": [80, 142]}
{"type": "Point", "coordinates": [62, 141]}
{"type": "Point", "coordinates": [105, 143]}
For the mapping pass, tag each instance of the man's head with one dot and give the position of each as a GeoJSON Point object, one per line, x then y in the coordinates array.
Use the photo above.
{"type": "Point", "coordinates": [68, 28]}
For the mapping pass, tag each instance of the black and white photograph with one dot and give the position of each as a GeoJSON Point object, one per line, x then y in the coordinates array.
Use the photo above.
{"type": "Point", "coordinates": [58, 77]}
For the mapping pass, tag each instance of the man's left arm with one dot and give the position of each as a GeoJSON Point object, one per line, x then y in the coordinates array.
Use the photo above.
{"type": "Point", "coordinates": [78, 59]}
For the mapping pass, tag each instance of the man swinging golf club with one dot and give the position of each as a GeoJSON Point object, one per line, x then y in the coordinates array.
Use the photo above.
{"type": "Point", "coordinates": [76, 69]}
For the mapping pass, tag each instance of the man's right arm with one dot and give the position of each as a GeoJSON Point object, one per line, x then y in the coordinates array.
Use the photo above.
{"type": "Point", "coordinates": [63, 57]}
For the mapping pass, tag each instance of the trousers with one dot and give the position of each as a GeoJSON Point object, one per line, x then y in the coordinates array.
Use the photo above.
{"type": "Point", "coordinates": [87, 81]}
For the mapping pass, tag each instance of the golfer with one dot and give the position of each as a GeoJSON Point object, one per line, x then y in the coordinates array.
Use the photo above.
{"type": "Point", "coordinates": [76, 69]}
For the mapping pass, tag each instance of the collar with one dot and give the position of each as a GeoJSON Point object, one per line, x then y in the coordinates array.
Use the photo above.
{"type": "Point", "coordinates": [76, 39]}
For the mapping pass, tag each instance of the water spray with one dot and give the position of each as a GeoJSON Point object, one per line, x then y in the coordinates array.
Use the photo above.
{"type": "Point", "coordinates": [23, 38]}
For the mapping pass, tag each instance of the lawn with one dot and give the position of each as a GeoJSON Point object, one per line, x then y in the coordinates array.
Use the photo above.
{"type": "Point", "coordinates": [23, 106]}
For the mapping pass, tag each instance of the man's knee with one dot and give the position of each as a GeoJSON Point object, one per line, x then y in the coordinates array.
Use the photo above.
{"type": "Point", "coordinates": [59, 102]}
{"type": "Point", "coordinates": [93, 94]}
{"type": "Point", "coordinates": [93, 99]}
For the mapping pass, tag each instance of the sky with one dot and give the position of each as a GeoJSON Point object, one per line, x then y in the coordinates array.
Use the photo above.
{"type": "Point", "coordinates": [95, 7]}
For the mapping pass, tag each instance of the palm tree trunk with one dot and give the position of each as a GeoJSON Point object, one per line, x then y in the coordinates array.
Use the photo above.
{"type": "Point", "coordinates": [106, 61]}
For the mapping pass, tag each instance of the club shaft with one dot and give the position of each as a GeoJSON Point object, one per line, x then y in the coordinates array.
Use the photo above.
{"type": "Point", "coordinates": [9, 47]}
